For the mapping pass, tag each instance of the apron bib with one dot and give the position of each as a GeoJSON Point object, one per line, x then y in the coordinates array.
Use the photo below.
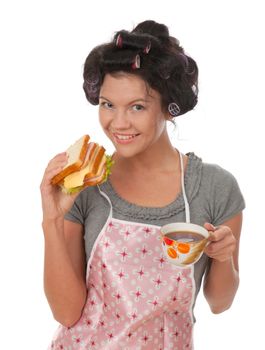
{"type": "Point", "coordinates": [136, 299]}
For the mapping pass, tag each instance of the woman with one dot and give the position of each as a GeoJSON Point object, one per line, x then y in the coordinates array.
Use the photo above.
{"type": "Point", "coordinates": [105, 277]}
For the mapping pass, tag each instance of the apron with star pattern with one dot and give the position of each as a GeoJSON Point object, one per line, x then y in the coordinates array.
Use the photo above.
{"type": "Point", "coordinates": [136, 298]}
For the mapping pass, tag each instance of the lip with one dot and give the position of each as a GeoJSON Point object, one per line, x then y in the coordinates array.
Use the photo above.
{"type": "Point", "coordinates": [124, 139]}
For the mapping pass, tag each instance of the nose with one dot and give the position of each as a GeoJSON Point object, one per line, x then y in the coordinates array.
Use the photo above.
{"type": "Point", "coordinates": [120, 120]}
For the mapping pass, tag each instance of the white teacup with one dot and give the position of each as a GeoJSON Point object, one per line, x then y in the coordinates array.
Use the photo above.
{"type": "Point", "coordinates": [183, 243]}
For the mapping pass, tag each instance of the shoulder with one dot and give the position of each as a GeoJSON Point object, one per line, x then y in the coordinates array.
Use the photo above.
{"type": "Point", "coordinates": [88, 193]}
{"type": "Point", "coordinates": [86, 201]}
{"type": "Point", "coordinates": [89, 197]}
{"type": "Point", "coordinates": [216, 173]}
{"type": "Point", "coordinates": [217, 177]}
{"type": "Point", "coordinates": [220, 190]}
{"type": "Point", "coordinates": [211, 174]}
{"type": "Point", "coordinates": [215, 181]}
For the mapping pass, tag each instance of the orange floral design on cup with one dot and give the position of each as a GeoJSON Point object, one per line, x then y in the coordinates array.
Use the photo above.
{"type": "Point", "coordinates": [168, 241]}
{"type": "Point", "coordinates": [183, 248]}
{"type": "Point", "coordinates": [172, 253]}
{"type": "Point", "coordinates": [183, 243]}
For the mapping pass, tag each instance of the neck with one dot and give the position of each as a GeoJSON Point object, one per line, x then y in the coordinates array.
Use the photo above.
{"type": "Point", "coordinates": [160, 156]}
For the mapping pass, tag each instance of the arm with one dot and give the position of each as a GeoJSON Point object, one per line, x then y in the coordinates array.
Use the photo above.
{"type": "Point", "coordinates": [222, 280]}
{"type": "Point", "coordinates": [64, 270]}
{"type": "Point", "coordinates": [64, 260]}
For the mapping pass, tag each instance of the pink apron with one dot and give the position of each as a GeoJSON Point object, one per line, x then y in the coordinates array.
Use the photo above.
{"type": "Point", "coordinates": [136, 299]}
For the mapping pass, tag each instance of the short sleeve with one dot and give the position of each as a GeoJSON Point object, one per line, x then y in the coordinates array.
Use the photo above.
{"type": "Point", "coordinates": [76, 213]}
{"type": "Point", "coordinates": [227, 199]}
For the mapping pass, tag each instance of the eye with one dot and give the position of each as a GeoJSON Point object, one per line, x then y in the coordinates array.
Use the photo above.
{"type": "Point", "coordinates": [137, 108]}
{"type": "Point", "coordinates": [106, 105]}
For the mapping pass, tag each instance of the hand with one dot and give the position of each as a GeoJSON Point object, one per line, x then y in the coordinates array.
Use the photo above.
{"type": "Point", "coordinates": [55, 203]}
{"type": "Point", "coordinates": [222, 242]}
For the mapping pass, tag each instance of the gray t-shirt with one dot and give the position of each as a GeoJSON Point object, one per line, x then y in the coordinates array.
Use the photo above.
{"type": "Point", "coordinates": [212, 192]}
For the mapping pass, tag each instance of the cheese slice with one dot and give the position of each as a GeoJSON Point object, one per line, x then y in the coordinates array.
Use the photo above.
{"type": "Point", "coordinates": [99, 176]}
{"type": "Point", "coordinates": [76, 179]}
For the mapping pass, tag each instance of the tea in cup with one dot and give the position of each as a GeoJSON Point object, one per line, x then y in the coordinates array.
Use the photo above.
{"type": "Point", "coordinates": [183, 243]}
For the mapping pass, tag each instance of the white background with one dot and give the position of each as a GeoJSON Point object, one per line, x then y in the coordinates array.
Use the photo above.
{"type": "Point", "coordinates": [43, 109]}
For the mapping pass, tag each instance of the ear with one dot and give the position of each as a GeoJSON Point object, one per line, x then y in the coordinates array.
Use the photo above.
{"type": "Point", "coordinates": [169, 117]}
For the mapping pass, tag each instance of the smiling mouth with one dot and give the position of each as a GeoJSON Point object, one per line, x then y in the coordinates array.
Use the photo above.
{"type": "Point", "coordinates": [123, 137]}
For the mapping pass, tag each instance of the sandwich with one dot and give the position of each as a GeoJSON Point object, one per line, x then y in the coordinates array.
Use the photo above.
{"type": "Point", "coordinates": [87, 165]}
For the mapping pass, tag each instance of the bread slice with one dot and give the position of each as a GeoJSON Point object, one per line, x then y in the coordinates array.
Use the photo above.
{"type": "Point", "coordinates": [97, 156]}
{"type": "Point", "coordinates": [95, 159]}
{"type": "Point", "coordinates": [76, 157]}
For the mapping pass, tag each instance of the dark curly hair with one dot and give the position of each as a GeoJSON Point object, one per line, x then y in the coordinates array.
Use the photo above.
{"type": "Point", "coordinates": [151, 53]}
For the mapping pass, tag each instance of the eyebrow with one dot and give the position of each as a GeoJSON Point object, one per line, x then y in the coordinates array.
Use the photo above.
{"type": "Point", "coordinates": [133, 101]}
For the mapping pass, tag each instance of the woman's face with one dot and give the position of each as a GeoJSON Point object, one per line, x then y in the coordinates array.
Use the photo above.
{"type": "Point", "coordinates": [130, 114]}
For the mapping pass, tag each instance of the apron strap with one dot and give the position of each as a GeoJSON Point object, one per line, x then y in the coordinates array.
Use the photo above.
{"type": "Point", "coordinates": [187, 207]}
{"type": "Point", "coordinates": [109, 201]}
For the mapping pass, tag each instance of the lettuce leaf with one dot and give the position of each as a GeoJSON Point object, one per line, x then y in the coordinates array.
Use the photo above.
{"type": "Point", "coordinates": [71, 190]}
{"type": "Point", "coordinates": [109, 164]}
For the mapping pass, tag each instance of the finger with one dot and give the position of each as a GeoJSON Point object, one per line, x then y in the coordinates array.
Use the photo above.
{"type": "Point", "coordinates": [49, 174]}
{"type": "Point", "coordinates": [214, 237]}
{"type": "Point", "coordinates": [61, 157]}
{"type": "Point", "coordinates": [58, 161]}
{"type": "Point", "coordinates": [222, 243]}
{"type": "Point", "coordinates": [220, 233]}
{"type": "Point", "coordinates": [209, 227]}
{"type": "Point", "coordinates": [219, 248]}
{"type": "Point", "coordinates": [54, 171]}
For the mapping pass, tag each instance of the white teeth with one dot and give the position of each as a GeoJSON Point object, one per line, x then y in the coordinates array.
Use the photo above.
{"type": "Point", "coordinates": [125, 137]}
